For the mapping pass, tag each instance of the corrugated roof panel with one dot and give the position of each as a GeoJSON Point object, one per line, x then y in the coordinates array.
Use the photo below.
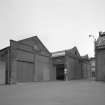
{"type": "Point", "coordinates": [60, 53]}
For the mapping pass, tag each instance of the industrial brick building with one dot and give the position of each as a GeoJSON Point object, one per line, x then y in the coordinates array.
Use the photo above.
{"type": "Point", "coordinates": [70, 61]}
{"type": "Point", "coordinates": [27, 60]}
{"type": "Point", "coordinates": [100, 57]}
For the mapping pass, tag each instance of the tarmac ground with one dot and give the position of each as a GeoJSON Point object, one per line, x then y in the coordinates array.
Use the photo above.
{"type": "Point", "coordinates": [75, 92]}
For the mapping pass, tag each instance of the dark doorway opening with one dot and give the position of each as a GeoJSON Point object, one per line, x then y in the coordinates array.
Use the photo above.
{"type": "Point", "coordinates": [60, 72]}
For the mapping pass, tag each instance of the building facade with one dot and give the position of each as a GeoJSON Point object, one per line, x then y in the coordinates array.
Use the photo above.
{"type": "Point", "coordinates": [69, 65]}
{"type": "Point", "coordinates": [93, 69]}
{"type": "Point", "coordinates": [27, 60]}
{"type": "Point", "coordinates": [86, 68]}
{"type": "Point", "coordinates": [100, 57]}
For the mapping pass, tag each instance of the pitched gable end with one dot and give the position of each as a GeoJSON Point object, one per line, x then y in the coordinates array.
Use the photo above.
{"type": "Point", "coordinates": [36, 43]}
{"type": "Point", "coordinates": [76, 52]}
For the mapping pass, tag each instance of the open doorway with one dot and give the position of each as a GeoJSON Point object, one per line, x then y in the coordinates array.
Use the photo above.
{"type": "Point", "coordinates": [60, 72]}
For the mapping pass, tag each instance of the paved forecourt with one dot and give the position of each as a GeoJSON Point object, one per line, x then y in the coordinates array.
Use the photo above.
{"type": "Point", "coordinates": [54, 93]}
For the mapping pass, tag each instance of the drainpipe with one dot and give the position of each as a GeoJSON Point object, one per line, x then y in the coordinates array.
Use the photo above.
{"type": "Point", "coordinates": [8, 72]}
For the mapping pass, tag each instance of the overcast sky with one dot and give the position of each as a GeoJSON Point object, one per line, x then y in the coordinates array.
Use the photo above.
{"type": "Point", "coordinates": [60, 24]}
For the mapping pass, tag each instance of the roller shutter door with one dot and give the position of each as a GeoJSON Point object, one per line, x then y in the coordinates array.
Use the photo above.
{"type": "Point", "coordinates": [25, 71]}
{"type": "Point", "coordinates": [42, 68]}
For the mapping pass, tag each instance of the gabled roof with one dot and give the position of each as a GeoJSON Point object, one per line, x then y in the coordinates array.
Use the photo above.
{"type": "Point", "coordinates": [35, 38]}
{"type": "Point", "coordinates": [33, 42]}
{"type": "Point", "coordinates": [74, 52]}
{"type": "Point", "coordinates": [85, 57]}
{"type": "Point", "coordinates": [101, 40]}
{"type": "Point", "coordinates": [4, 51]}
{"type": "Point", "coordinates": [71, 52]}
{"type": "Point", "coordinates": [42, 44]}
{"type": "Point", "coordinates": [58, 53]}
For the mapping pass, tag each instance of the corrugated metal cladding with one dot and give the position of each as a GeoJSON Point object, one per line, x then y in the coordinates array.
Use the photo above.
{"type": "Point", "coordinates": [27, 61]}
{"type": "Point", "coordinates": [2, 72]}
{"type": "Point", "coordinates": [100, 66]}
{"type": "Point", "coordinates": [3, 66]}
{"type": "Point", "coordinates": [86, 70]}
{"type": "Point", "coordinates": [100, 57]}
{"type": "Point", "coordinates": [42, 68]}
{"type": "Point", "coordinates": [72, 62]}
{"type": "Point", "coordinates": [74, 67]}
{"type": "Point", "coordinates": [25, 71]}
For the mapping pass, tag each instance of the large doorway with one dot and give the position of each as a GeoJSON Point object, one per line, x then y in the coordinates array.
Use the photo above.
{"type": "Point", "coordinates": [42, 68]}
{"type": "Point", "coordinates": [60, 72]}
{"type": "Point", "coordinates": [25, 71]}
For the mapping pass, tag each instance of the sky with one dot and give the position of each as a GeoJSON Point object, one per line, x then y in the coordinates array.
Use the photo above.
{"type": "Point", "coordinates": [60, 24]}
